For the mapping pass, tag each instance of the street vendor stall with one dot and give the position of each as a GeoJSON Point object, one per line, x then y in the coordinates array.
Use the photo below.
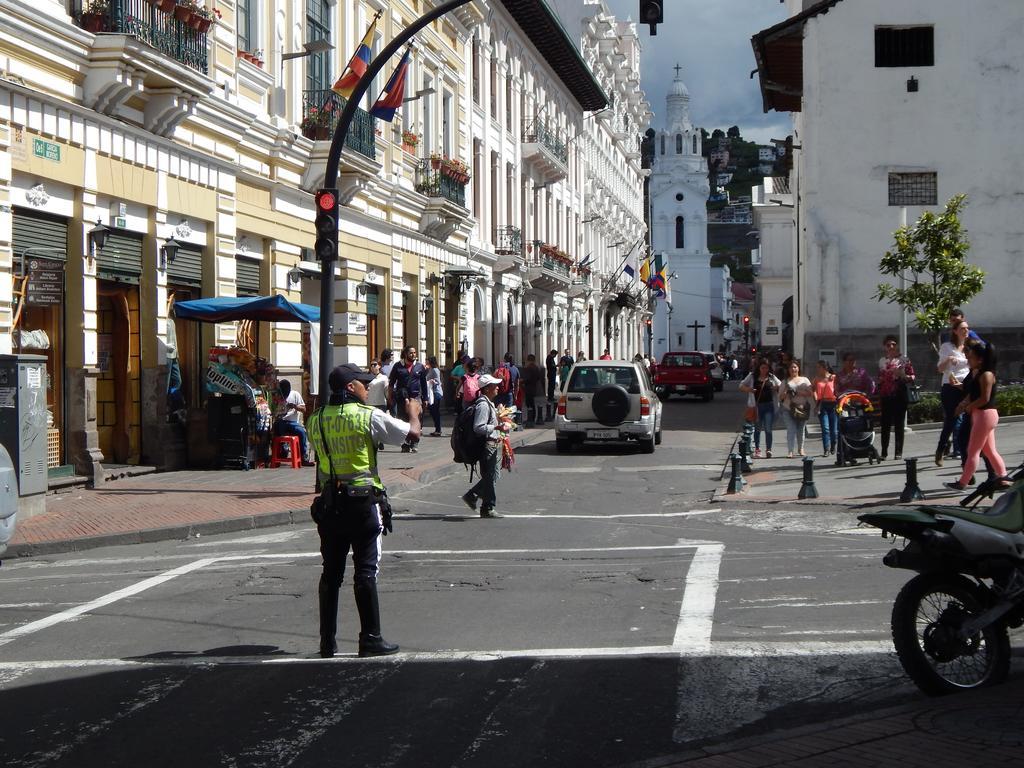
{"type": "Point", "coordinates": [240, 407]}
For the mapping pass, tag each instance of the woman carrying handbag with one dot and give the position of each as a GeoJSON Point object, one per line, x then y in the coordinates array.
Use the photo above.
{"type": "Point", "coordinates": [797, 402]}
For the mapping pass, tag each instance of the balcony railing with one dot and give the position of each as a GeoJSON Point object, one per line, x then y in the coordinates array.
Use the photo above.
{"type": "Point", "coordinates": [150, 25]}
{"type": "Point", "coordinates": [549, 262]}
{"type": "Point", "coordinates": [508, 241]}
{"type": "Point", "coordinates": [320, 113]}
{"type": "Point", "coordinates": [436, 182]}
{"type": "Point", "coordinates": [536, 132]}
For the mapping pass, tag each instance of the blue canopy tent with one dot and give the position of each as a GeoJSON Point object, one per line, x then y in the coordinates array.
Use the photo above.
{"type": "Point", "coordinates": [275, 309]}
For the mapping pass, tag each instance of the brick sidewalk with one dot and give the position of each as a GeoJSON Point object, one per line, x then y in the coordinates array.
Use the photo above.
{"type": "Point", "coordinates": [977, 729]}
{"type": "Point", "coordinates": [176, 505]}
{"type": "Point", "coordinates": [778, 480]}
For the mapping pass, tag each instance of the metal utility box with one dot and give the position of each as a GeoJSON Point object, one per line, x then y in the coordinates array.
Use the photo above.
{"type": "Point", "coordinates": [8, 500]}
{"type": "Point", "coordinates": [23, 419]}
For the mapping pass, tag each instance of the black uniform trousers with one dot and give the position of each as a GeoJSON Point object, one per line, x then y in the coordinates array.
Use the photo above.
{"type": "Point", "coordinates": [339, 534]}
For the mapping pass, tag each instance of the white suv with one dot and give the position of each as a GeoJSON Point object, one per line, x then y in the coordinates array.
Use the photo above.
{"type": "Point", "coordinates": [608, 400]}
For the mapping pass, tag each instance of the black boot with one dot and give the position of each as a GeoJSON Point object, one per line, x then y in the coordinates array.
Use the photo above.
{"type": "Point", "coordinates": [370, 641]}
{"type": "Point", "coordinates": [328, 618]}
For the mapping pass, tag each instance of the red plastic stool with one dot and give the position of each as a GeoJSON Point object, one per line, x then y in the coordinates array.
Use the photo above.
{"type": "Point", "coordinates": [275, 457]}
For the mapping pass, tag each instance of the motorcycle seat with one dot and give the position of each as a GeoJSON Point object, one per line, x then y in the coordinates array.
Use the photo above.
{"type": "Point", "coordinates": [1007, 514]}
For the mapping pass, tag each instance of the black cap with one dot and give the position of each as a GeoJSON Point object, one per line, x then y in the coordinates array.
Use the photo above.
{"type": "Point", "coordinates": [341, 376]}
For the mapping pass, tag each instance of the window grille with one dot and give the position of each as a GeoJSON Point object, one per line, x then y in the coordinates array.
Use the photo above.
{"type": "Point", "coordinates": [913, 189]}
{"type": "Point", "coordinates": [904, 46]}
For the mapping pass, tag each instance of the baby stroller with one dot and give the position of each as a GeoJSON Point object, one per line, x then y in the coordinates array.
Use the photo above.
{"type": "Point", "coordinates": [856, 433]}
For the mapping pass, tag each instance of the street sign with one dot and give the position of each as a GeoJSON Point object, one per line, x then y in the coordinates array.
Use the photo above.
{"type": "Point", "coordinates": [45, 285]}
{"type": "Point", "coordinates": [46, 150]}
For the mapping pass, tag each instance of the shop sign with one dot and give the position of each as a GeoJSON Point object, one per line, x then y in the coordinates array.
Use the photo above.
{"type": "Point", "coordinates": [46, 150]}
{"type": "Point", "coordinates": [45, 285]}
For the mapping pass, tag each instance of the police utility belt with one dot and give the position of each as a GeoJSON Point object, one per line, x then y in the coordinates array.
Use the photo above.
{"type": "Point", "coordinates": [350, 505]}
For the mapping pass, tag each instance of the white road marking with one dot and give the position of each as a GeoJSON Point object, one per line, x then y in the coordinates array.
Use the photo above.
{"type": "Point", "coordinates": [569, 470]}
{"type": "Point", "coordinates": [113, 597]}
{"type": "Point", "coordinates": [674, 468]}
{"type": "Point", "coordinates": [142, 586]}
{"type": "Point", "coordinates": [697, 611]}
{"type": "Point", "coordinates": [718, 649]}
{"type": "Point", "coordinates": [691, 513]}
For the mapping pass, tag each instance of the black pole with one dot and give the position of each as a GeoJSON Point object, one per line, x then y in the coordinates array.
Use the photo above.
{"type": "Point", "coordinates": [331, 180]}
{"type": "Point", "coordinates": [808, 490]}
{"type": "Point", "coordinates": [911, 491]}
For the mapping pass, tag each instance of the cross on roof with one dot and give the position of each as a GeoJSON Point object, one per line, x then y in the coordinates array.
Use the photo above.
{"type": "Point", "coordinates": [677, 68]}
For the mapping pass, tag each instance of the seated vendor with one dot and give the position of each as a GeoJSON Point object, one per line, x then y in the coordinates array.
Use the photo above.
{"type": "Point", "coordinates": [287, 422]}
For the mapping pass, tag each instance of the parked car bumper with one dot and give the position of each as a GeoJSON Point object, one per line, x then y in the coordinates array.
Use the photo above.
{"type": "Point", "coordinates": [629, 430]}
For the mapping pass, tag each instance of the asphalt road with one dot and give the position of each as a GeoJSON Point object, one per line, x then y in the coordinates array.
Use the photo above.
{"type": "Point", "coordinates": [614, 616]}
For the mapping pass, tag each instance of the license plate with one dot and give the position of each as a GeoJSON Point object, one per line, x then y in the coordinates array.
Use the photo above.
{"type": "Point", "coordinates": [681, 388]}
{"type": "Point", "coordinates": [602, 434]}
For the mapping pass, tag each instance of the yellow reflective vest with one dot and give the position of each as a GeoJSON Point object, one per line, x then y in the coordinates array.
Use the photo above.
{"type": "Point", "coordinates": [343, 442]}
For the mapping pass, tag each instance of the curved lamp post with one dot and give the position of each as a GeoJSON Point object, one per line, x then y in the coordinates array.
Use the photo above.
{"type": "Point", "coordinates": [331, 179]}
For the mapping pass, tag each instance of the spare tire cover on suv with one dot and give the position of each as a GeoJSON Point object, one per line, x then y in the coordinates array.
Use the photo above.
{"type": "Point", "coordinates": [611, 405]}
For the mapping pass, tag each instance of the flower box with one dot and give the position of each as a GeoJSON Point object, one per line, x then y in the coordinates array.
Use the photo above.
{"type": "Point", "coordinates": [182, 13]}
{"type": "Point", "coordinates": [167, 6]}
{"type": "Point", "coordinates": [317, 132]}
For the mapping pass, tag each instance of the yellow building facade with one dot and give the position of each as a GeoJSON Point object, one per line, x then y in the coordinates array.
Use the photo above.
{"type": "Point", "coordinates": [128, 124]}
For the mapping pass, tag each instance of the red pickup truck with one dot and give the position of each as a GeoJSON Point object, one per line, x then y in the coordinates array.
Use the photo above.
{"type": "Point", "coordinates": [684, 373]}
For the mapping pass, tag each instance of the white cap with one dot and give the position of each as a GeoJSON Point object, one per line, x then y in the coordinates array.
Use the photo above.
{"type": "Point", "coordinates": [486, 380]}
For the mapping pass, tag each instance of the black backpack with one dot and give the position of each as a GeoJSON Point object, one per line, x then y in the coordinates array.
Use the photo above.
{"type": "Point", "coordinates": [467, 446]}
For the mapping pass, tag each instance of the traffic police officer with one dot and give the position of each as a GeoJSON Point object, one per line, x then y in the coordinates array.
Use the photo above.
{"type": "Point", "coordinates": [352, 511]}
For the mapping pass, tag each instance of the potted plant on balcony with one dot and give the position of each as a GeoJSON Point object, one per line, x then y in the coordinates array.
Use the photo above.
{"type": "Point", "coordinates": [96, 16]}
{"type": "Point", "coordinates": [317, 123]}
{"type": "Point", "coordinates": [183, 11]}
{"type": "Point", "coordinates": [436, 159]}
{"type": "Point", "coordinates": [203, 18]}
{"type": "Point", "coordinates": [410, 141]}
{"type": "Point", "coordinates": [167, 6]}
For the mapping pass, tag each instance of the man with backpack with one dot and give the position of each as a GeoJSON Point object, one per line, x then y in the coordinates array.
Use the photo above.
{"type": "Point", "coordinates": [479, 441]}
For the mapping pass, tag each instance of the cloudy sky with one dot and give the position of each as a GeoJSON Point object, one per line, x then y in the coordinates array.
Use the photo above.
{"type": "Point", "coordinates": [710, 39]}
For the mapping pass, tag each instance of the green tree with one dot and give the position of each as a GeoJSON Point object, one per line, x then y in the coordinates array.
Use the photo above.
{"type": "Point", "coordinates": [734, 132]}
{"type": "Point", "coordinates": [931, 254]}
{"type": "Point", "coordinates": [717, 134]}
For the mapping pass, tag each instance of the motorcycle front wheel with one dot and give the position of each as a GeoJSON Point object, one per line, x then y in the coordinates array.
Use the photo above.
{"type": "Point", "coordinates": [926, 617]}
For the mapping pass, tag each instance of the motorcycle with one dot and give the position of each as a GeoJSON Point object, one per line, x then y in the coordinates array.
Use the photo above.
{"type": "Point", "coordinates": [950, 622]}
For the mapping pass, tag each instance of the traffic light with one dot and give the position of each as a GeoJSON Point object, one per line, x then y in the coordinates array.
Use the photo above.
{"type": "Point", "coordinates": [651, 13]}
{"type": "Point", "coordinates": [326, 225]}
{"type": "Point", "coordinates": [788, 159]}
{"type": "Point", "coordinates": [746, 322]}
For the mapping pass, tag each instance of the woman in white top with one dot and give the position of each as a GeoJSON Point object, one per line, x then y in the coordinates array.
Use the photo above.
{"type": "Point", "coordinates": [377, 390]}
{"type": "Point", "coordinates": [953, 367]}
{"type": "Point", "coordinates": [797, 400]}
{"type": "Point", "coordinates": [435, 394]}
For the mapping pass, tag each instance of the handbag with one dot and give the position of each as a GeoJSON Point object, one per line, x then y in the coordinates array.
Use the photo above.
{"type": "Point", "coordinates": [750, 414]}
{"type": "Point", "coordinates": [913, 393]}
{"type": "Point", "coordinates": [800, 411]}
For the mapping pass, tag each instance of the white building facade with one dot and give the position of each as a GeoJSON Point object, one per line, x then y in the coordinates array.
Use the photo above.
{"type": "Point", "coordinates": [896, 105]}
{"type": "Point", "coordinates": [773, 218]}
{"type": "Point", "coordinates": [679, 193]}
{"type": "Point", "coordinates": [602, 297]}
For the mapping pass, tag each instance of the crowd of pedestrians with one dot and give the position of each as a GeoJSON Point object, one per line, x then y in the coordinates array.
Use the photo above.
{"type": "Point", "coordinates": [777, 390]}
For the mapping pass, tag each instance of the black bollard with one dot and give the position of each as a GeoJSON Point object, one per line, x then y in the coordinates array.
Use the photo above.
{"type": "Point", "coordinates": [736, 481]}
{"type": "Point", "coordinates": [807, 488]}
{"type": "Point", "coordinates": [911, 491]}
{"type": "Point", "coordinates": [746, 454]}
